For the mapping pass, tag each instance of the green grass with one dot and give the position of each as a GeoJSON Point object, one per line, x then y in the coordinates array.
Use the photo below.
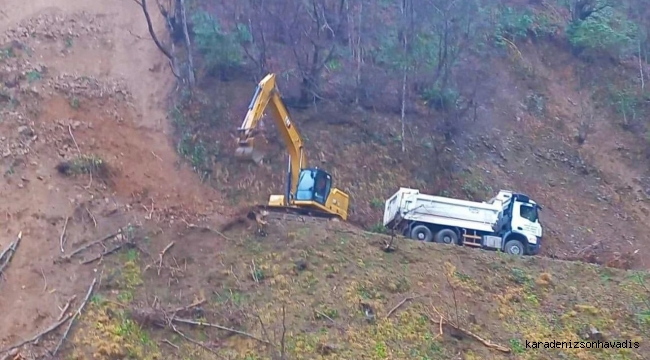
{"type": "Point", "coordinates": [326, 278]}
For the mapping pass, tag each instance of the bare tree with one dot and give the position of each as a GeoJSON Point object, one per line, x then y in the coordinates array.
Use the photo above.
{"type": "Point", "coordinates": [166, 51]}
{"type": "Point", "coordinates": [586, 123]}
{"type": "Point", "coordinates": [355, 43]}
{"type": "Point", "coordinates": [314, 24]}
{"type": "Point", "coordinates": [582, 9]}
{"type": "Point", "coordinates": [453, 27]}
{"type": "Point", "coordinates": [255, 44]}
{"type": "Point", "coordinates": [640, 58]}
{"type": "Point", "coordinates": [407, 32]}
{"type": "Point", "coordinates": [640, 14]}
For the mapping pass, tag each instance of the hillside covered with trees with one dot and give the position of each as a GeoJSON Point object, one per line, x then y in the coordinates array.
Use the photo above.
{"type": "Point", "coordinates": [457, 98]}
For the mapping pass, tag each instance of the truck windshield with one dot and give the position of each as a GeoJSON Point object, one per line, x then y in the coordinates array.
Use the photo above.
{"type": "Point", "coordinates": [528, 212]}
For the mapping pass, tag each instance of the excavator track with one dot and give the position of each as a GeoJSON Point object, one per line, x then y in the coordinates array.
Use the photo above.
{"type": "Point", "coordinates": [288, 213]}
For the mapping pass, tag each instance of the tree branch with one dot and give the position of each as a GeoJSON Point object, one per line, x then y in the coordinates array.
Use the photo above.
{"type": "Point", "coordinates": [145, 10]}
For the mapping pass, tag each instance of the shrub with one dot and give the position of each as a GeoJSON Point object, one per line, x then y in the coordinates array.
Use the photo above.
{"type": "Point", "coordinates": [605, 32]}
{"type": "Point", "coordinates": [220, 49]}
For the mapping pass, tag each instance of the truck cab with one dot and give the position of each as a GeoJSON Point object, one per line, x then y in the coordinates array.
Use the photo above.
{"type": "Point", "coordinates": [519, 220]}
{"type": "Point", "coordinates": [509, 222]}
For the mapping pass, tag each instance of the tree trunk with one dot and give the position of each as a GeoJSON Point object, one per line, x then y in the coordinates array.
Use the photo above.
{"type": "Point", "coordinates": [359, 54]}
{"type": "Point", "coordinates": [306, 91]}
{"type": "Point", "coordinates": [403, 114]}
{"type": "Point", "coordinates": [641, 67]}
{"type": "Point", "coordinates": [169, 54]}
{"type": "Point", "coordinates": [190, 60]}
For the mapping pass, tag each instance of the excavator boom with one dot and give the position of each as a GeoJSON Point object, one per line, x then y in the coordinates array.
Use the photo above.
{"type": "Point", "coordinates": [267, 96]}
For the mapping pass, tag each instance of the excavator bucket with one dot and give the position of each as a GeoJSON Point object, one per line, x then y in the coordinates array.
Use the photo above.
{"type": "Point", "coordinates": [249, 153]}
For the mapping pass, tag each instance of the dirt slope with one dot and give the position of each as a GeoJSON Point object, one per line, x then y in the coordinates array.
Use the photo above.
{"type": "Point", "coordinates": [328, 291]}
{"type": "Point", "coordinates": [594, 192]}
{"type": "Point", "coordinates": [85, 152]}
{"type": "Point", "coordinates": [72, 71]}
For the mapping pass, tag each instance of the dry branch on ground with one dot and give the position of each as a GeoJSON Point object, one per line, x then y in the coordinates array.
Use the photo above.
{"type": "Point", "coordinates": [8, 253]}
{"type": "Point", "coordinates": [62, 320]}
{"type": "Point", "coordinates": [84, 247]}
{"type": "Point", "coordinates": [76, 314]}
{"type": "Point", "coordinates": [404, 301]}
{"type": "Point", "coordinates": [62, 238]}
{"type": "Point", "coordinates": [445, 322]}
{"type": "Point", "coordinates": [150, 316]}
{"type": "Point", "coordinates": [36, 337]}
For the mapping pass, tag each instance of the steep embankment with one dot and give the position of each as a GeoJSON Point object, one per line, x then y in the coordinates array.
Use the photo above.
{"type": "Point", "coordinates": [84, 153]}
{"type": "Point", "coordinates": [83, 149]}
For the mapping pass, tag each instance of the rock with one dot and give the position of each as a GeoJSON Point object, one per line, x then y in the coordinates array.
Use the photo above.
{"type": "Point", "coordinates": [300, 265]}
{"type": "Point", "coordinates": [326, 349]}
{"type": "Point", "coordinates": [472, 318]}
{"type": "Point", "coordinates": [368, 311]}
{"type": "Point", "coordinates": [592, 333]}
{"type": "Point", "coordinates": [12, 80]}
{"type": "Point", "coordinates": [15, 44]}
{"type": "Point", "coordinates": [13, 352]}
{"type": "Point", "coordinates": [25, 130]}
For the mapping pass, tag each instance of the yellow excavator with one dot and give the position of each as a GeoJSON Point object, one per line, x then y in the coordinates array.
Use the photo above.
{"type": "Point", "coordinates": [309, 190]}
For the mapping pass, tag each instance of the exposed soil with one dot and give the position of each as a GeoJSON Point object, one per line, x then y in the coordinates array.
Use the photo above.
{"type": "Point", "coordinates": [87, 71]}
{"type": "Point", "coordinates": [86, 150]}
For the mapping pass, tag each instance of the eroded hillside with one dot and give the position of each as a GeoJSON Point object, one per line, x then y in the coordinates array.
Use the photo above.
{"type": "Point", "coordinates": [124, 252]}
{"type": "Point", "coordinates": [83, 149]}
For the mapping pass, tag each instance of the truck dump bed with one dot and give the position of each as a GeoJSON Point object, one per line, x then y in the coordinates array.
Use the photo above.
{"type": "Point", "coordinates": [409, 204]}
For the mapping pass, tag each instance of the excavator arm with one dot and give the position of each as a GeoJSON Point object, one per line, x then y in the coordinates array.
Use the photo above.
{"type": "Point", "coordinates": [267, 95]}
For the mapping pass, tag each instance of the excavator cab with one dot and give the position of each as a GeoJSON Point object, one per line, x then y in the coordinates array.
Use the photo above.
{"type": "Point", "coordinates": [314, 185]}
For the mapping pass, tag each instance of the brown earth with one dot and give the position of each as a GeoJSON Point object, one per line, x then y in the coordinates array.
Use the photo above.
{"type": "Point", "coordinates": [86, 73]}
{"type": "Point", "coordinates": [84, 85]}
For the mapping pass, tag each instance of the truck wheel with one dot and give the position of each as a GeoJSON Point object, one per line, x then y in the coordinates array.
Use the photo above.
{"type": "Point", "coordinates": [446, 236]}
{"type": "Point", "coordinates": [514, 247]}
{"type": "Point", "coordinates": [421, 233]}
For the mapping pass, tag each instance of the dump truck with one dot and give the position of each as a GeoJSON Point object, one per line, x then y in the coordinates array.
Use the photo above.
{"type": "Point", "coordinates": [508, 222]}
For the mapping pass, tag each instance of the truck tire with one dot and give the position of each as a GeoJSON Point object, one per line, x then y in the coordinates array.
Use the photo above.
{"type": "Point", "coordinates": [446, 236]}
{"type": "Point", "coordinates": [421, 233]}
{"type": "Point", "coordinates": [514, 247]}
